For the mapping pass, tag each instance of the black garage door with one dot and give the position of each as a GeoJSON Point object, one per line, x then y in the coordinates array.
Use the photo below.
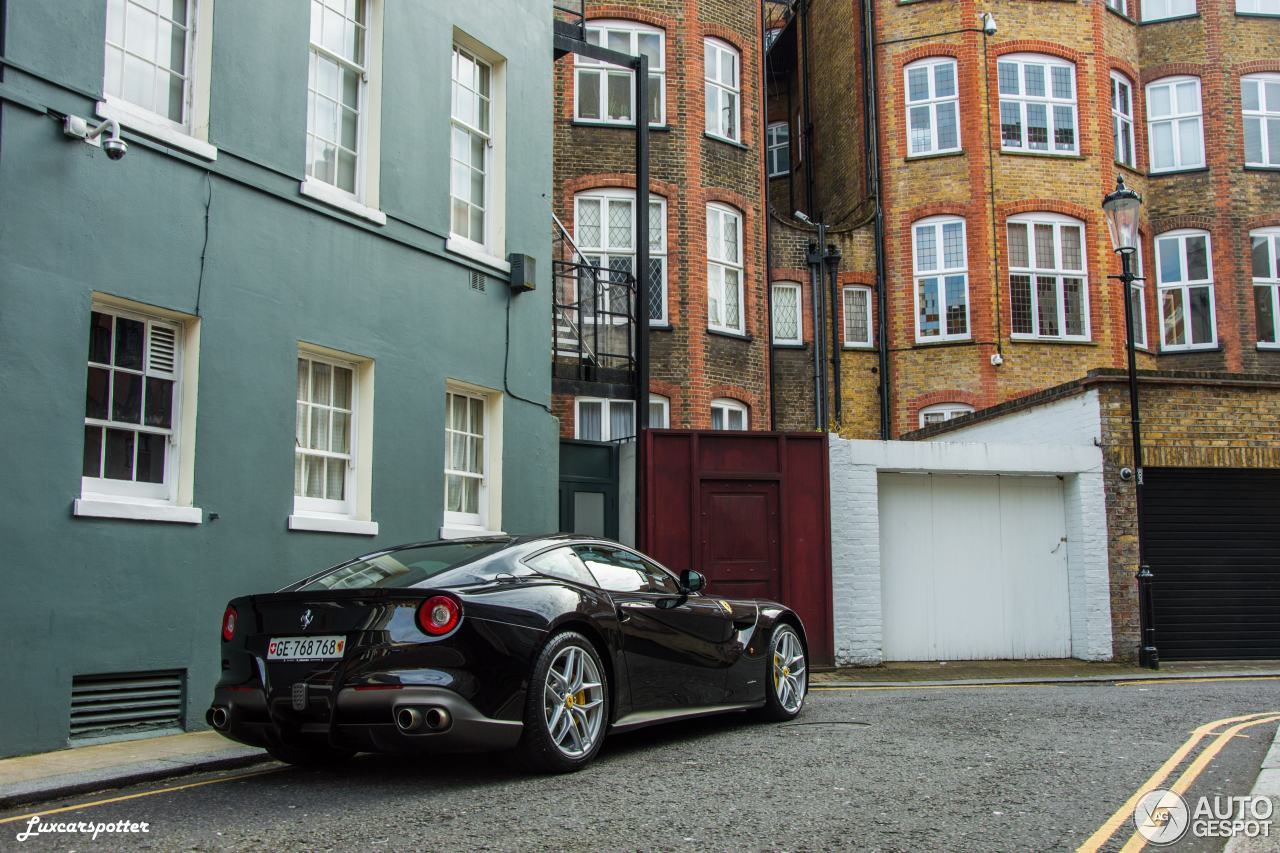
{"type": "Point", "coordinates": [1213, 542]}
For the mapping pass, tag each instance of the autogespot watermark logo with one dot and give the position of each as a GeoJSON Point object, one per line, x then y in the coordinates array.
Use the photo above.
{"type": "Point", "coordinates": [1163, 817]}
{"type": "Point", "coordinates": [37, 826]}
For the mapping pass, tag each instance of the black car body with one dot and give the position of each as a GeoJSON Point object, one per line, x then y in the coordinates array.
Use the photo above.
{"type": "Point", "coordinates": [668, 651]}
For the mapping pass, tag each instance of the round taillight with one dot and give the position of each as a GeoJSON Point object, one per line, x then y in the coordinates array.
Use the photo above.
{"type": "Point", "coordinates": [229, 620]}
{"type": "Point", "coordinates": [439, 615]}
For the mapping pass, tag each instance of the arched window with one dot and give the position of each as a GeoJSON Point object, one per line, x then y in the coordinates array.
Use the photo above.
{"type": "Point", "coordinates": [722, 78]}
{"type": "Point", "coordinates": [1174, 124]}
{"type": "Point", "coordinates": [1037, 104]}
{"type": "Point", "coordinates": [857, 316]}
{"type": "Point", "coordinates": [605, 93]}
{"type": "Point", "coordinates": [604, 226]}
{"type": "Point", "coordinates": [730, 414]}
{"type": "Point", "coordinates": [1266, 285]}
{"type": "Point", "coordinates": [940, 412]}
{"type": "Point", "coordinates": [1184, 284]}
{"type": "Point", "coordinates": [941, 263]}
{"type": "Point", "coordinates": [1122, 119]}
{"type": "Point", "coordinates": [1260, 103]}
{"type": "Point", "coordinates": [1048, 281]}
{"type": "Point", "coordinates": [788, 313]}
{"type": "Point", "coordinates": [933, 107]}
{"type": "Point", "coordinates": [724, 269]}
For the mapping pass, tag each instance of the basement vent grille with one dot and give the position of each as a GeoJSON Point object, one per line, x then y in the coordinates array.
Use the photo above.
{"type": "Point", "coordinates": [477, 281]}
{"type": "Point", "coordinates": [121, 703]}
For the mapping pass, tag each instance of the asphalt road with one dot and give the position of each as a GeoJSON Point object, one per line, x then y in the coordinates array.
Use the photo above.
{"type": "Point", "coordinates": [982, 769]}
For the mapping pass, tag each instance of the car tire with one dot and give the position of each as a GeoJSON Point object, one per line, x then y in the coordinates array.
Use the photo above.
{"type": "Point", "coordinates": [567, 708]}
{"type": "Point", "coordinates": [784, 688]}
{"type": "Point", "coordinates": [317, 755]}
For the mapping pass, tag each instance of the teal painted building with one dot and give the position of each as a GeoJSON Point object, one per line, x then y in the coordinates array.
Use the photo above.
{"type": "Point", "coordinates": [276, 333]}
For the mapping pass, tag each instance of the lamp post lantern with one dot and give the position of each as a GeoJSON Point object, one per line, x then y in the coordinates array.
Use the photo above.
{"type": "Point", "coordinates": [1121, 208]}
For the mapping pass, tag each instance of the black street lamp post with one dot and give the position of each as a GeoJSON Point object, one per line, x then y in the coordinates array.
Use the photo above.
{"type": "Point", "coordinates": [1121, 208]}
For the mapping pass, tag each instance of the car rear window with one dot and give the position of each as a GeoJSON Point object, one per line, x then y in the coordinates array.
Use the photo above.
{"type": "Point", "coordinates": [403, 568]}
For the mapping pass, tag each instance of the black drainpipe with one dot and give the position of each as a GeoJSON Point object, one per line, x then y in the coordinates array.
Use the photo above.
{"type": "Point", "coordinates": [833, 273]}
{"type": "Point", "coordinates": [767, 206]}
{"type": "Point", "coordinates": [873, 186]}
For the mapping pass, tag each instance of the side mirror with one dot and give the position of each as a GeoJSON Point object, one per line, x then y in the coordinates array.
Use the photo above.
{"type": "Point", "coordinates": [691, 581]}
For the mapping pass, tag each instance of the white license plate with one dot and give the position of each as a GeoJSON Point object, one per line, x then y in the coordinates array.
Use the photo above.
{"type": "Point", "coordinates": [306, 648]}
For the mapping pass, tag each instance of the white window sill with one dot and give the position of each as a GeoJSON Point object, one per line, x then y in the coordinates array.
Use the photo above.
{"type": "Point", "coordinates": [138, 120]}
{"type": "Point", "coordinates": [334, 197]}
{"type": "Point", "coordinates": [135, 511]}
{"type": "Point", "coordinates": [455, 531]}
{"type": "Point", "coordinates": [476, 252]}
{"type": "Point", "coordinates": [1264, 345]}
{"type": "Point", "coordinates": [1038, 339]}
{"type": "Point", "coordinates": [332, 524]}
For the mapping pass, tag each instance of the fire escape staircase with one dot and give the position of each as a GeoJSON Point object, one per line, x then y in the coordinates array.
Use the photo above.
{"type": "Point", "coordinates": [594, 319]}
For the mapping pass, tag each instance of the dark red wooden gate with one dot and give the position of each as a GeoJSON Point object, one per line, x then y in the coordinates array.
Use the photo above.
{"type": "Point", "coordinates": [750, 510]}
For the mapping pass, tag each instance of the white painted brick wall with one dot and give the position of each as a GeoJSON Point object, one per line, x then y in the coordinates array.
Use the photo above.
{"type": "Point", "coordinates": [1072, 421]}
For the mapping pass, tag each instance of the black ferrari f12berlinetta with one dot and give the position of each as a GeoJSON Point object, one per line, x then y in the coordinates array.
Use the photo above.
{"type": "Point", "coordinates": [541, 644]}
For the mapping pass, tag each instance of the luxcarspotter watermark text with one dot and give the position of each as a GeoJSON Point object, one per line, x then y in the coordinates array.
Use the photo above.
{"type": "Point", "coordinates": [37, 826]}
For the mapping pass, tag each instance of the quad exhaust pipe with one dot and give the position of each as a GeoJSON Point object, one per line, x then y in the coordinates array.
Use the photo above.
{"type": "Point", "coordinates": [433, 719]}
{"type": "Point", "coordinates": [218, 718]}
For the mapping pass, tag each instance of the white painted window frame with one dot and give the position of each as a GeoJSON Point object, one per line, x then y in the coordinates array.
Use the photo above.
{"type": "Point", "coordinates": [1258, 7]}
{"type": "Point", "coordinates": [492, 249]}
{"type": "Point", "coordinates": [1120, 119]}
{"type": "Point", "coordinates": [1175, 120]}
{"type": "Point", "coordinates": [1267, 115]}
{"type": "Point", "coordinates": [852, 343]}
{"type": "Point", "coordinates": [1049, 100]}
{"type": "Point", "coordinates": [1183, 288]}
{"type": "Point", "coordinates": [603, 251]}
{"type": "Point", "coordinates": [777, 143]}
{"type": "Point", "coordinates": [192, 133]}
{"type": "Point", "coordinates": [1162, 10]}
{"type": "Point", "coordinates": [664, 405]}
{"type": "Point", "coordinates": [932, 101]}
{"type": "Point", "coordinates": [793, 286]}
{"type": "Point", "coordinates": [1270, 283]}
{"type": "Point", "coordinates": [719, 265]}
{"type": "Point", "coordinates": [726, 406]}
{"type": "Point", "coordinates": [105, 498]}
{"type": "Point", "coordinates": [1139, 289]}
{"type": "Point", "coordinates": [1056, 270]}
{"type": "Point", "coordinates": [947, 410]}
{"type": "Point", "coordinates": [941, 272]}
{"type": "Point", "coordinates": [722, 91]}
{"type": "Point", "coordinates": [489, 519]}
{"type": "Point", "coordinates": [597, 33]}
{"type": "Point", "coordinates": [606, 405]}
{"type": "Point", "coordinates": [1121, 6]}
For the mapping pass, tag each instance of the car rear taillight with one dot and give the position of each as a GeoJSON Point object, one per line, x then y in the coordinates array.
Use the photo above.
{"type": "Point", "coordinates": [439, 615]}
{"type": "Point", "coordinates": [229, 620]}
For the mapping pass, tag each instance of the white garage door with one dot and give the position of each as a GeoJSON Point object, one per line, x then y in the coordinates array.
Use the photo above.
{"type": "Point", "coordinates": [973, 567]}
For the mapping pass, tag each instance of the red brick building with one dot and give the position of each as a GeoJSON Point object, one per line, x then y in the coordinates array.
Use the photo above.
{"type": "Point", "coordinates": [990, 134]}
{"type": "Point", "coordinates": [708, 318]}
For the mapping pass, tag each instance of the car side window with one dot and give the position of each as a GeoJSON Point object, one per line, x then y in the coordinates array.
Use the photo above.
{"type": "Point", "coordinates": [660, 581]}
{"type": "Point", "coordinates": [561, 563]}
{"type": "Point", "coordinates": [610, 572]}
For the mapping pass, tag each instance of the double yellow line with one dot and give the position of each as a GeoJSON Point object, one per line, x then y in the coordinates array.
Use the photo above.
{"type": "Point", "coordinates": [1234, 725]}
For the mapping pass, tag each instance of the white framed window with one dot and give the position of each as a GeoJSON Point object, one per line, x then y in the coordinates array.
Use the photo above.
{"type": "Point", "coordinates": [941, 261]}
{"type": "Point", "coordinates": [1260, 103]}
{"type": "Point", "coordinates": [1174, 124]}
{"type": "Point", "coordinates": [1258, 7]}
{"type": "Point", "coordinates": [597, 419]}
{"type": "Point", "coordinates": [1138, 299]}
{"type": "Point", "coordinates": [344, 92]}
{"type": "Point", "coordinates": [659, 412]}
{"type": "Point", "coordinates": [933, 107]}
{"type": "Point", "coordinates": [857, 316]}
{"type": "Point", "coordinates": [778, 148]}
{"type": "Point", "coordinates": [1048, 282]}
{"type": "Point", "coordinates": [941, 412]}
{"type": "Point", "coordinates": [1122, 119]}
{"type": "Point", "coordinates": [1158, 10]}
{"type": "Point", "coordinates": [1266, 285]}
{"type": "Point", "coordinates": [604, 225]}
{"type": "Point", "coordinates": [1037, 104]}
{"type": "Point", "coordinates": [606, 93]}
{"type": "Point", "coordinates": [788, 313]}
{"type": "Point", "coordinates": [729, 414]}
{"type": "Point", "coordinates": [133, 416]}
{"type": "Point", "coordinates": [722, 80]}
{"type": "Point", "coordinates": [770, 36]}
{"type": "Point", "coordinates": [156, 70]}
{"type": "Point", "coordinates": [724, 269]}
{"type": "Point", "coordinates": [1184, 283]}
{"type": "Point", "coordinates": [472, 461]}
{"type": "Point", "coordinates": [1121, 6]}
{"type": "Point", "coordinates": [469, 147]}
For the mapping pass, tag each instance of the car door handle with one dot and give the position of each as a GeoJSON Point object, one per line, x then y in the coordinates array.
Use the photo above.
{"type": "Point", "coordinates": [623, 615]}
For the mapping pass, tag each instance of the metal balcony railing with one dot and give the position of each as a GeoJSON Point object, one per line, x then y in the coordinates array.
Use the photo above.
{"type": "Point", "coordinates": [594, 312]}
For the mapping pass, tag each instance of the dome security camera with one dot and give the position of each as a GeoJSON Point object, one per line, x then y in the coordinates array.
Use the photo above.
{"type": "Point", "coordinates": [988, 23]}
{"type": "Point", "coordinates": [115, 147]}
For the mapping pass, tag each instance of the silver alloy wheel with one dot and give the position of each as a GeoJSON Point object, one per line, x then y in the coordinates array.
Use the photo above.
{"type": "Point", "coordinates": [790, 675]}
{"type": "Point", "coordinates": [573, 700]}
